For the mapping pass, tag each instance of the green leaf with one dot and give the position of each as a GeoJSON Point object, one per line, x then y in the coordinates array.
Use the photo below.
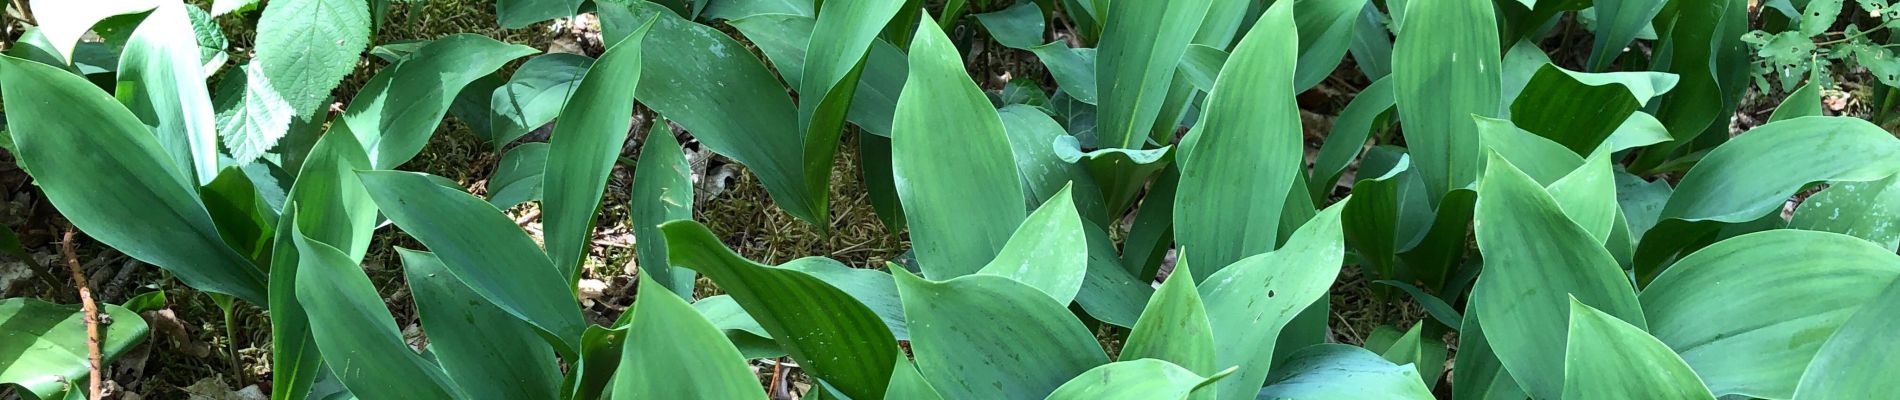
{"type": "Point", "coordinates": [1581, 110]}
{"type": "Point", "coordinates": [326, 190]}
{"type": "Point", "coordinates": [1785, 292]}
{"type": "Point", "coordinates": [834, 59]}
{"type": "Point", "coordinates": [1818, 15]}
{"type": "Point", "coordinates": [991, 337]}
{"type": "Point", "coordinates": [948, 179]}
{"type": "Point", "coordinates": [1867, 210]}
{"type": "Point", "coordinates": [1389, 213]}
{"type": "Point", "coordinates": [1804, 102]}
{"type": "Point", "coordinates": [784, 37]}
{"type": "Point", "coordinates": [161, 70]}
{"type": "Point", "coordinates": [1443, 73]}
{"type": "Point", "coordinates": [1228, 204]}
{"type": "Point", "coordinates": [733, 10]}
{"type": "Point", "coordinates": [252, 117]}
{"type": "Point", "coordinates": [1048, 251]}
{"type": "Point", "coordinates": [482, 348]}
{"type": "Point", "coordinates": [1535, 259]}
{"type": "Point", "coordinates": [1545, 161]}
{"type": "Point", "coordinates": [100, 167]}
{"type": "Point", "coordinates": [1018, 27]}
{"type": "Point", "coordinates": [306, 47]}
{"type": "Point", "coordinates": [848, 349]}
{"type": "Point", "coordinates": [582, 151]}
{"type": "Point", "coordinates": [1618, 23]}
{"type": "Point", "coordinates": [1174, 326]}
{"type": "Point", "coordinates": [46, 343]}
{"type": "Point", "coordinates": [517, 14]}
{"type": "Point", "coordinates": [1325, 32]}
{"type": "Point", "coordinates": [1138, 379]}
{"type": "Point", "coordinates": [534, 95]}
{"type": "Point", "coordinates": [1032, 134]}
{"type": "Point", "coordinates": [482, 248]}
{"type": "Point", "coordinates": [399, 108]}
{"type": "Point", "coordinates": [673, 353]}
{"type": "Point", "coordinates": [1293, 278]}
{"type": "Point", "coordinates": [1434, 306]}
{"type": "Point", "coordinates": [1705, 72]}
{"type": "Point", "coordinates": [662, 191]}
{"type": "Point", "coordinates": [518, 177]}
{"type": "Point", "coordinates": [599, 360]}
{"type": "Point", "coordinates": [241, 216]}
{"type": "Point", "coordinates": [1854, 362]}
{"type": "Point", "coordinates": [1608, 357]}
{"type": "Point", "coordinates": [1337, 371]}
{"type": "Point", "coordinates": [1142, 43]}
{"type": "Point", "coordinates": [1120, 173]}
{"type": "Point", "coordinates": [1366, 113]}
{"type": "Point", "coordinates": [880, 183]}
{"type": "Point", "coordinates": [1641, 129]}
{"type": "Point", "coordinates": [1477, 372]}
{"type": "Point", "coordinates": [1074, 69]}
{"type": "Point", "coordinates": [751, 119]}
{"type": "Point", "coordinates": [1732, 184]}
{"type": "Point", "coordinates": [64, 22]}
{"type": "Point", "coordinates": [1588, 196]}
{"type": "Point", "coordinates": [1419, 347]}
{"type": "Point", "coordinates": [356, 332]}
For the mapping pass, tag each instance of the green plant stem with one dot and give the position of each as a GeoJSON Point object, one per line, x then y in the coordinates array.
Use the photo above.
{"type": "Point", "coordinates": [1856, 35]}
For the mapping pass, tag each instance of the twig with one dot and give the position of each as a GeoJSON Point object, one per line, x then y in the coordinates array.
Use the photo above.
{"type": "Point", "coordinates": [91, 316]}
{"type": "Point", "coordinates": [777, 370]}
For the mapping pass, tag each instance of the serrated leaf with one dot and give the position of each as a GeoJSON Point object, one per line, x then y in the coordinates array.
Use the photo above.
{"type": "Point", "coordinates": [306, 47]}
{"type": "Point", "coordinates": [251, 117]}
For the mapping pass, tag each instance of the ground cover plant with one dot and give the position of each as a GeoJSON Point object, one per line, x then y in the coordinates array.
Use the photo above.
{"type": "Point", "coordinates": [1068, 199]}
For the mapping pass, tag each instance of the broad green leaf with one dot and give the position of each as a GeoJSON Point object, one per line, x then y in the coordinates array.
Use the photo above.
{"type": "Point", "coordinates": [1244, 154]}
{"type": "Point", "coordinates": [662, 191]}
{"type": "Point", "coordinates": [243, 219]}
{"type": "Point", "coordinates": [483, 349]}
{"type": "Point", "coordinates": [1337, 371]}
{"type": "Point", "coordinates": [251, 115]}
{"type": "Point", "coordinates": [518, 177]}
{"type": "Point", "coordinates": [1048, 251]}
{"type": "Point", "coordinates": [471, 105]}
{"type": "Point", "coordinates": [673, 353]}
{"type": "Point", "coordinates": [1248, 303]}
{"type": "Point", "coordinates": [534, 95]}
{"type": "Point", "coordinates": [1111, 293]}
{"type": "Point", "coordinates": [834, 58]}
{"type": "Point", "coordinates": [1074, 69]}
{"type": "Point", "coordinates": [517, 14]}
{"type": "Point", "coordinates": [1032, 135]}
{"type": "Point", "coordinates": [582, 151]}
{"type": "Point", "coordinates": [100, 167]}
{"type": "Point", "coordinates": [908, 384]}
{"type": "Point", "coordinates": [1174, 326]}
{"type": "Point", "coordinates": [1326, 31]}
{"type": "Point", "coordinates": [399, 108]}
{"type": "Point", "coordinates": [1704, 71]}
{"type": "Point", "coordinates": [1733, 184]}
{"type": "Point", "coordinates": [1421, 348]}
{"type": "Point", "coordinates": [1818, 15]}
{"type": "Point", "coordinates": [1018, 27]}
{"type": "Point", "coordinates": [1867, 210]}
{"type": "Point", "coordinates": [1152, 235]}
{"type": "Point", "coordinates": [1138, 379]}
{"type": "Point", "coordinates": [482, 248]}
{"type": "Point", "coordinates": [990, 337]}
{"type": "Point", "coordinates": [1201, 65]}
{"type": "Point", "coordinates": [1785, 292]}
{"type": "Point", "coordinates": [356, 332]}
{"type": "Point", "coordinates": [1618, 23]}
{"type": "Point", "coordinates": [1371, 46]}
{"type": "Point", "coordinates": [1608, 357]}
{"type": "Point", "coordinates": [1119, 173]}
{"type": "Point", "coordinates": [954, 182]}
{"type": "Point", "coordinates": [1588, 196]}
{"type": "Point", "coordinates": [873, 288]}
{"type": "Point", "coordinates": [1443, 73]}
{"type": "Point", "coordinates": [1536, 259]}
{"type": "Point", "coordinates": [738, 9]}
{"type": "Point", "coordinates": [1142, 43]}
{"type": "Point", "coordinates": [1477, 372]}
{"type": "Point", "coordinates": [880, 182]}
{"type": "Point", "coordinates": [64, 22]}
{"type": "Point", "coordinates": [846, 348]}
{"type": "Point", "coordinates": [306, 47]}
{"type": "Point", "coordinates": [46, 344]}
{"type": "Point", "coordinates": [784, 37]}
{"type": "Point", "coordinates": [1641, 129]}
{"type": "Point", "coordinates": [326, 190]}
{"type": "Point", "coordinates": [1858, 359]}
{"type": "Point", "coordinates": [750, 119]}
{"type": "Point", "coordinates": [1545, 161]}
{"type": "Point", "coordinates": [1389, 213]}
{"type": "Point", "coordinates": [1804, 102]}
{"type": "Point", "coordinates": [161, 69]}
{"type": "Point", "coordinates": [1581, 110]}
{"type": "Point", "coordinates": [1366, 113]}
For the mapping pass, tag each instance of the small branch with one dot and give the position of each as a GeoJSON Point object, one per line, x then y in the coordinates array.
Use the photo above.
{"type": "Point", "coordinates": [91, 310]}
